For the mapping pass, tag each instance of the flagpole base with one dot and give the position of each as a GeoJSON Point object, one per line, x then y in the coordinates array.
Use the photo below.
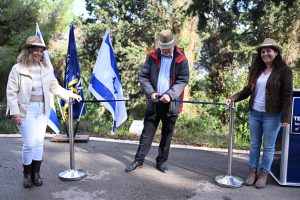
{"type": "Point", "coordinates": [229, 181]}
{"type": "Point", "coordinates": [72, 175]}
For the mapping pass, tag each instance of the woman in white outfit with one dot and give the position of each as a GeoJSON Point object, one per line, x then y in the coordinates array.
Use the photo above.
{"type": "Point", "coordinates": [28, 104]}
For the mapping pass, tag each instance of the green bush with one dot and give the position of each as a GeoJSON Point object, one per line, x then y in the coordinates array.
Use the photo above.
{"type": "Point", "coordinates": [6, 126]}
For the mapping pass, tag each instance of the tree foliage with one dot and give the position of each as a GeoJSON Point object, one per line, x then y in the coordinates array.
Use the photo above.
{"type": "Point", "coordinates": [133, 26]}
{"type": "Point", "coordinates": [230, 32]}
{"type": "Point", "coordinates": [232, 29]}
{"type": "Point", "coordinates": [17, 22]}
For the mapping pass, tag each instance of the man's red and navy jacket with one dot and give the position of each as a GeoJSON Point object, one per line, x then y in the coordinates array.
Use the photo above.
{"type": "Point", "coordinates": [179, 78]}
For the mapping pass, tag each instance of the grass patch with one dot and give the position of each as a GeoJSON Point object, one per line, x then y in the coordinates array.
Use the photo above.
{"type": "Point", "coordinates": [6, 126]}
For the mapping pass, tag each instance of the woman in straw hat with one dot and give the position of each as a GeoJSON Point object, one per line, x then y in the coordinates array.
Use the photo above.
{"type": "Point", "coordinates": [270, 89]}
{"type": "Point", "coordinates": [28, 104]}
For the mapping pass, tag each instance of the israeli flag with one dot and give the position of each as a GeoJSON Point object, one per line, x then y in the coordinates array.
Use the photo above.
{"type": "Point", "coordinates": [53, 120]}
{"type": "Point", "coordinates": [105, 83]}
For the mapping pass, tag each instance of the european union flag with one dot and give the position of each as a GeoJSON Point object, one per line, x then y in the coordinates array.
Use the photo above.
{"type": "Point", "coordinates": [72, 77]}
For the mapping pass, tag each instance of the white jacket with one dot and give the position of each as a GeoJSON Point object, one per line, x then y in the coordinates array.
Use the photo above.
{"type": "Point", "coordinates": [19, 87]}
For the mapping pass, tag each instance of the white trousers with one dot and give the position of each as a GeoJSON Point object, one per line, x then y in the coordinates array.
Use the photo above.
{"type": "Point", "coordinates": [33, 128]}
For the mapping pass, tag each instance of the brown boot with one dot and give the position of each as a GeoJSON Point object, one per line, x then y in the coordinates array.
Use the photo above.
{"type": "Point", "coordinates": [251, 177]}
{"type": "Point", "coordinates": [36, 179]}
{"type": "Point", "coordinates": [27, 181]}
{"type": "Point", "coordinates": [261, 181]}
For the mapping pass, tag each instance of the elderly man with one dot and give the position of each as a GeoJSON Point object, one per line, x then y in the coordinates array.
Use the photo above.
{"type": "Point", "coordinates": [163, 78]}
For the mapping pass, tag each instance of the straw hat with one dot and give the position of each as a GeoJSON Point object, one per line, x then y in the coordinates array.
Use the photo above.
{"type": "Point", "coordinates": [33, 41]}
{"type": "Point", "coordinates": [166, 39]}
{"type": "Point", "coordinates": [268, 42]}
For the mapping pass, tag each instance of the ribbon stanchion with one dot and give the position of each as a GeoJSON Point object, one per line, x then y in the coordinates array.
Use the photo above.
{"type": "Point", "coordinates": [229, 180]}
{"type": "Point", "coordinates": [71, 174]}
{"type": "Point", "coordinates": [223, 180]}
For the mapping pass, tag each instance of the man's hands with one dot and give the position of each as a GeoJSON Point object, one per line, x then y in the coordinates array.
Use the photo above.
{"type": "Point", "coordinates": [156, 97]}
{"type": "Point", "coordinates": [165, 98]}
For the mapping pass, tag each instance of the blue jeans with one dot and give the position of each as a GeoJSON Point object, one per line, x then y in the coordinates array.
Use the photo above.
{"type": "Point", "coordinates": [263, 125]}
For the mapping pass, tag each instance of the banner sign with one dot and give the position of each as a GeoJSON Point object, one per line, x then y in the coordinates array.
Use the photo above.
{"type": "Point", "coordinates": [296, 116]}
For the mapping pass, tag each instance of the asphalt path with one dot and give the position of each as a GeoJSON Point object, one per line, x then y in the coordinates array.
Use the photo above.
{"type": "Point", "coordinates": [191, 175]}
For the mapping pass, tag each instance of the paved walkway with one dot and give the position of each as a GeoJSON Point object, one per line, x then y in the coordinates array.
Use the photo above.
{"type": "Point", "coordinates": [191, 175]}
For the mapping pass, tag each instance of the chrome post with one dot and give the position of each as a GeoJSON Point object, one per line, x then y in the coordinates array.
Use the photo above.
{"type": "Point", "coordinates": [71, 134]}
{"type": "Point", "coordinates": [229, 180]}
{"type": "Point", "coordinates": [71, 174]}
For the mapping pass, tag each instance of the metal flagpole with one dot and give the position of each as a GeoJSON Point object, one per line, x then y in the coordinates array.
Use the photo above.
{"type": "Point", "coordinates": [71, 174]}
{"type": "Point", "coordinates": [229, 180]}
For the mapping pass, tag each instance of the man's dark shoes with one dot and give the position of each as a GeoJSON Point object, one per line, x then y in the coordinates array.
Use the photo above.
{"type": "Point", "coordinates": [161, 166]}
{"type": "Point", "coordinates": [133, 166]}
